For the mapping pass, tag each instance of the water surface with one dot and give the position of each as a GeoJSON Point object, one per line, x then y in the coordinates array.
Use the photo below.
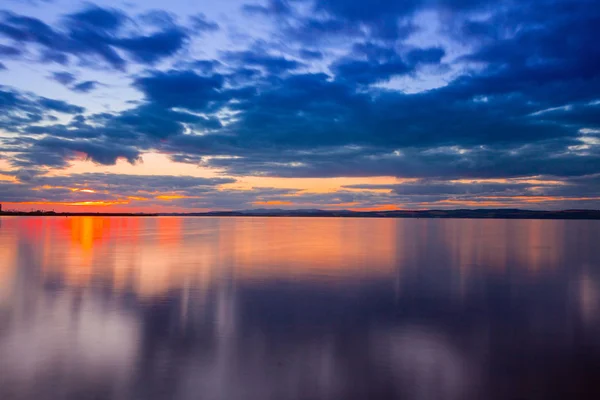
{"type": "Point", "coordinates": [298, 308]}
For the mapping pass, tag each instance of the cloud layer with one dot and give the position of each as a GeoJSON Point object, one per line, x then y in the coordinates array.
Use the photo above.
{"type": "Point", "coordinates": [436, 92]}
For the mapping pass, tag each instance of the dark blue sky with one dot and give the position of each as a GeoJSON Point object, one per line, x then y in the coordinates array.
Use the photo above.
{"type": "Point", "coordinates": [330, 104]}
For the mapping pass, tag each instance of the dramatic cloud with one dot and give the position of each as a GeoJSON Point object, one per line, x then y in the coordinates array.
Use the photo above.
{"type": "Point", "coordinates": [459, 96]}
{"type": "Point", "coordinates": [21, 109]}
{"type": "Point", "coordinates": [272, 64]}
{"type": "Point", "coordinates": [97, 32]}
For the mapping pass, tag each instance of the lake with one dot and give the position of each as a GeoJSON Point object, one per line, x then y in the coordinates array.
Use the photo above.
{"type": "Point", "coordinates": [298, 308]}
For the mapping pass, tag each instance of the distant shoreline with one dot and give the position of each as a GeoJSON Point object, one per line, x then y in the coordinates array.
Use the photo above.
{"type": "Point", "coordinates": [55, 214]}
{"type": "Point", "coordinates": [430, 214]}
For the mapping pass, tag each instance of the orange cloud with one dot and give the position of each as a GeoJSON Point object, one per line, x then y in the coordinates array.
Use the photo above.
{"type": "Point", "coordinates": [171, 197]}
{"type": "Point", "coordinates": [78, 203]}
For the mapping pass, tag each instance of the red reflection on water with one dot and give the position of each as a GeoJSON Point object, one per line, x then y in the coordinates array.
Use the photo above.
{"type": "Point", "coordinates": [89, 232]}
{"type": "Point", "coordinates": [154, 255]}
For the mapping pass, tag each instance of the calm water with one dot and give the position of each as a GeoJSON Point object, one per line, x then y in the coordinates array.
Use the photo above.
{"type": "Point", "coordinates": [293, 308]}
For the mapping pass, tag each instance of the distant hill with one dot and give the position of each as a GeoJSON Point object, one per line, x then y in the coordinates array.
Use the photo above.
{"type": "Point", "coordinates": [464, 213]}
{"type": "Point", "coordinates": [502, 213]}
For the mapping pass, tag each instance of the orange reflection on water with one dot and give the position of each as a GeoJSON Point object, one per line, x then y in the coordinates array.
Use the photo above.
{"type": "Point", "coordinates": [8, 262]}
{"type": "Point", "coordinates": [319, 247]}
{"type": "Point", "coordinates": [169, 231]}
{"type": "Point", "coordinates": [151, 256]}
{"type": "Point", "coordinates": [154, 255]}
{"type": "Point", "coordinates": [88, 232]}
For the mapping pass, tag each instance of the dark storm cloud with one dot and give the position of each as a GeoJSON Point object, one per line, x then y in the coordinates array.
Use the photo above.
{"type": "Point", "coordinates": [96, 32]}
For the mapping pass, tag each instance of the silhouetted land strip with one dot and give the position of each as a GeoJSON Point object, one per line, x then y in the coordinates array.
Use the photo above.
{"type": "Point", "coordinates": [465, 213]}
{"type": "Point", "coordinates": [60, 214]}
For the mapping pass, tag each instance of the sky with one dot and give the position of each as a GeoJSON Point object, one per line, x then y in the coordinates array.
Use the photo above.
{"type": "Point", "coordinates": [197, 105]}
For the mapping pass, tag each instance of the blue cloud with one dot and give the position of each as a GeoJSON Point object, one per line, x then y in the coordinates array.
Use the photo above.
{"type": "Point", "coordinates": [516, 104]}
{"type": "Point", "coordinates": [64, 77]}
{"type": "Point", "coordinates": [185, 89]}
{"type": "Point", "coordinates": [97, 32]}
{"type": "Point", "coordinates": [272, 64]}
{"type": "Point", "coordinates": [18, 110]}
{"type": "Point", "coordinates": [9, 51]}
{"type": "Point", "coordinates": [273, 8]}
{"type": "Point", "coordinates": [152, 48]}
{"type": "Point", "coordinates": [307, 54]}
{"type": "Point", "coordinates": [52, 151]}
{"type": "Point", "coordinates": [431, 55]}
{"type": "Point", "coordinates": [85, 87]}
{"type": "Point", "coordinates": [60, 106]}
{"type": "Point", "coordinates": [70, 80]}
{"type": "Point", "coordinates": [200, 23]}
{"type": "Point", "coordinates": [94, 17]}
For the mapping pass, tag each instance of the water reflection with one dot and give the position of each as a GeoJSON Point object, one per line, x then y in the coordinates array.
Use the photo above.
{"type": "Point", "coordinates": [298, 308]}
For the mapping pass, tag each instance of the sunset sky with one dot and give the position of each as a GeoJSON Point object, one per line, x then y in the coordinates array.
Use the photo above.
{"type": "Point", "coordinates": [195, 105]}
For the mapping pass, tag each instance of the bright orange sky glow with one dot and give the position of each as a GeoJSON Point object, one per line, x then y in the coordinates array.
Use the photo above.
{"type": "Point", "coordinates": [319, 193]}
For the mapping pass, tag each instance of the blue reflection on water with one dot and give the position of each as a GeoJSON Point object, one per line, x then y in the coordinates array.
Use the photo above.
{"type": "Point", "coordinates": [298, 308]}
